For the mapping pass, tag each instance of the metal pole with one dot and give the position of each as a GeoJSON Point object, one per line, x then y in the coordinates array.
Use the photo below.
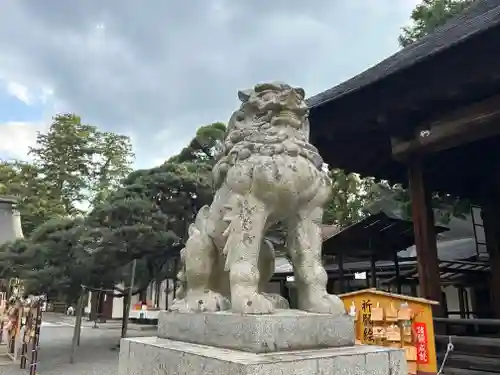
{"type": "Point", "coordinates": [78, 325]}
{"type": "Point", "coordinates": [129, 300]}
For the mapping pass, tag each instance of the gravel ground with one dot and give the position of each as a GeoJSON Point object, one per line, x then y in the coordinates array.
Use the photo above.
{"type": "Point", "coordinates": [95, 355]}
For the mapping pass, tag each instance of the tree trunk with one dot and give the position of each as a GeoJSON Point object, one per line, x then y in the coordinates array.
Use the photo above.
{"type": "Point", "coordinates": [125, 312]}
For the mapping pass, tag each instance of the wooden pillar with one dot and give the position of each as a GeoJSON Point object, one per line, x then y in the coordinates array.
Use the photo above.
{"type": "Point", "coordinates": [107, 309]}
{"type": "Point", "coordinates": [413, 290]}
{"type": "Point", "coordinates": [94, 305]}
{"type": "Point", "coordinates": [340, 261]}
{"type": "Point", "coordinates": [373, 271]}
{"type": "Point", "coordinates": [425, 237]}
{"type": "Point", "coordinates": [461, 301]}
{"type": "Point", "coordinates": [491, 224]}
{"type": "Point", "coordinates": [397, 274]}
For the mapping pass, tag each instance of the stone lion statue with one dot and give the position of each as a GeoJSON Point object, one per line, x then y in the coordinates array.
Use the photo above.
{"type": "Point", "coordinates": [267, 174]}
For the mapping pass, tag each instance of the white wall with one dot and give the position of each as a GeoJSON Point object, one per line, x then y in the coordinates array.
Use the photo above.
{"type": "Point", "coordinates": [117, 311]}
{"type": "Point", "coordinates": [452, 300]}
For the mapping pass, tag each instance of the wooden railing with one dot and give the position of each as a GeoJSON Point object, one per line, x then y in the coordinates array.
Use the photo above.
{"type": "Point", "coordinates": [470, 322]}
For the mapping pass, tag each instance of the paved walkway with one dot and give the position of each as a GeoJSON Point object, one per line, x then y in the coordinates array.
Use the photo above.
{"type": "Point", "coordinates": [61, 320]}
{"type": "Point", "coordinates": [95, 356]}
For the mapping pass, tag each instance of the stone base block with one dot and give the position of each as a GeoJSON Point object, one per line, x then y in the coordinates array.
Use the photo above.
{"type": "Point", "coordinates": [282, 331]}
{"type": "Point", "coordinates": [152, 355]}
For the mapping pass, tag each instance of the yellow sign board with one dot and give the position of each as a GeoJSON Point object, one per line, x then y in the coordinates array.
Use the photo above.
{"type": "Point", "coordinates": [395, 320]}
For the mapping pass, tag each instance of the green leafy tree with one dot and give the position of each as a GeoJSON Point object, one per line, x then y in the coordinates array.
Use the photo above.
{"type": "Point", "coordinates": [350, 196]}
{"type": "Point", "coordinates": [27, 183]}
{"type": "Point", "coordinates": [50, 261]}
{"type": "Point", "coordinates": [74, 165]}
{"type": "Point", "coordinates": [111, 163]}
{"type": "Point", "coordinates": [152, 210]}
{"type": "Point", "coordinates": [428, 16]}
{"type": "Point", "coordinates": [205, 146]}
{"type": "Point", "coordinates": [80, 164]}
{"type": "Point", "coordinates": [145, 217]}
{"type": "Point", "coordinates": [14, 257]}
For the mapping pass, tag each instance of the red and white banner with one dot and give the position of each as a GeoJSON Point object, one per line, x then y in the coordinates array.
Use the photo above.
{"type": "Point", "coordinates": [421, 343]}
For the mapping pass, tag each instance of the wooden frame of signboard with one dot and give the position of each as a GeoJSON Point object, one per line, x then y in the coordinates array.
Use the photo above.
{"type": "Point", "coordinates": [399, 321]}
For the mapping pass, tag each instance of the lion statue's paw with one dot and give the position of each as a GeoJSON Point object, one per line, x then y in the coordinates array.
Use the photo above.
{"type": "Point", "coordinates": [251, 303]}
{"type": "Point", "coordinates": [324, 304]}
{"type": "Point", "coordinates": [207, 301]}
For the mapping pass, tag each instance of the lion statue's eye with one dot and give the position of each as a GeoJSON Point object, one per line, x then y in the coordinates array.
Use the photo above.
{"type": "Point", "coordinates": [269, 95]}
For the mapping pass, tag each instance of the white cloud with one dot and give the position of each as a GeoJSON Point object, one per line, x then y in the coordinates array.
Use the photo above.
{"type": "Point", "coordinates": [173, 66]}
{"type": "Point", "coordinates": [19, 91]}
{"type": "Point", "coordinates": [46, 95]}
{"type": "Point", "coordinates": [17, 137]}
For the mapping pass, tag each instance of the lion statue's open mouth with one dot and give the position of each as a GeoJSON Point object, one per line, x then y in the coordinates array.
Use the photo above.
{"type": "Point", "coordinates": [268, 173]}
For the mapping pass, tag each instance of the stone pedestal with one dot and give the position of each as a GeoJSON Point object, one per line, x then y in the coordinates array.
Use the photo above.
{"type": "Point", "coordinates": [289, 342]}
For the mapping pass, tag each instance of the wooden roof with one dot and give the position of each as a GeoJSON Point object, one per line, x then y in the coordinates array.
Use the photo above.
{"type": "Point", "coordinates": [379, 235]}
{"type": "Point", "coordinates": [443, 73]}
{"type": "Point", "coordinates": [391, 295]}
{"type": "Point", "coordinates": [450, 271]}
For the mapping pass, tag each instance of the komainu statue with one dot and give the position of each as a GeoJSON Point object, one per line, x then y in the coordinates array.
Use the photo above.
{"type": "Point", "coordinates": [268, 174]}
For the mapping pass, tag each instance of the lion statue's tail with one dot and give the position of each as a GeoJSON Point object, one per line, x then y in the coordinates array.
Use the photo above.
{"type": "Point", "coordinates": [196, 232]}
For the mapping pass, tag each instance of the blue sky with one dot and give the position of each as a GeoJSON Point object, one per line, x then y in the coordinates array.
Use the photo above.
{"type": "Point", "coordinates": [156, 73]}
{"type": "Point", "coordinates": [14, 109]}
